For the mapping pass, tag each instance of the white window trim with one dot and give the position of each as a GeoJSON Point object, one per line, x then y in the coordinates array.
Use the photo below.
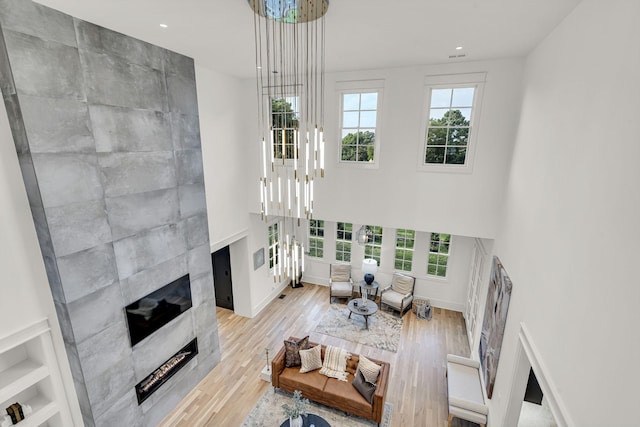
{"type": "Point", "coordinates": [310, 237]}
{"type": "Point", "coordinates": [444, 278]}
{"type": "Point", "coordinates": [335, 236]}
{"type": "Point", "coordinates": [475, 80]}
{"type": "Point", "coordinates": [361, 86]}
{"type": "Point", "coordinates": [277, 258]}
{"type": "Point", "coordinates": [413, 251]}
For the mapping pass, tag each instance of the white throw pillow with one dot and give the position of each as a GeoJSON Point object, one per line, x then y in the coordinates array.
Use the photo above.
{"type": "Point", "coordinates": [370, 370]}
{"type": "Point", "coordinates": [311, 359]}
{"type": "Point", "coordinates": [335, 363]}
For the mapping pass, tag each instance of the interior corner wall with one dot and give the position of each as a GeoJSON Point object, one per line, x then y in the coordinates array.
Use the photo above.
{"type": "Point", "coordinates": [570, 233]}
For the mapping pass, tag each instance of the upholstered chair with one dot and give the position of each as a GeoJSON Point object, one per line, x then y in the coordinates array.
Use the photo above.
{"type": "Point", "coordinates": [399, 294]}
{"type": "Point", "coordinates": [340, 281]}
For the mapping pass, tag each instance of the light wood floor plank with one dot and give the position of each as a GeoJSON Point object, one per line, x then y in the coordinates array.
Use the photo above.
{"type": "Point", "coordinates": [417, 387]}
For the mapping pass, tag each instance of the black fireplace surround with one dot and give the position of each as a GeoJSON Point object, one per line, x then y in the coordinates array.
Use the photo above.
{"type": "Point", "coordinates": [155, 310]}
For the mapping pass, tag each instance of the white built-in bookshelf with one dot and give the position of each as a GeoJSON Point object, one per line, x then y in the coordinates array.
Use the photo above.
{"type": "Point", "coordinates": [29, 374]}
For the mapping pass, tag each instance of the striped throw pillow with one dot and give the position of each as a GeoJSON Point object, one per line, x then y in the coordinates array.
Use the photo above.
{"type": "Point", "coordinates": [334, 364]}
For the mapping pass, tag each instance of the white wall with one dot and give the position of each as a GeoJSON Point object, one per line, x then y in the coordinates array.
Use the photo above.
{"type": "Point", "coordinates": [26, 297]}
{"type": "Point", "coordinates": [570, 235]}
{"type": "Point", "coordinates": [223, 154]}
{"type": "Point", "coordinates": [397, 194]}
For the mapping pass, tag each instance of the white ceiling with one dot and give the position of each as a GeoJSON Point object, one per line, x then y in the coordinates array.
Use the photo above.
{"type": "Point", "coordinates": [361, 34]}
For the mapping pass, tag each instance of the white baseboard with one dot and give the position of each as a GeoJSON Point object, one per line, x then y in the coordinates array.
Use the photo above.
{"type": "Point", "coordinates": [274, 293]}
{"type": "Point", "coordinates": [314, 280]}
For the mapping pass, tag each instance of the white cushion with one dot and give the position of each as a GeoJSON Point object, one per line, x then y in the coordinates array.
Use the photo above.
{"type": "Point", "coordinates": [340, 272]}
{"type": "Point", "coordinates": [394, 299]}
{"type": "Point", "coordinates": [402, 284]}
{"type": "Point", "coordinates": [310, 359]}
{"type": "Point", "coordinates": [466, 399]}
{"type": "Point", "coordinates": [369, 369]}
{"type": "Point", "coordinates": [341, 289]}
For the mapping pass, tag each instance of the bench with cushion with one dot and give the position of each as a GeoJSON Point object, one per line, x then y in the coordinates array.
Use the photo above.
{"type": "Point", "coordinates": [466, 400]}
{"type": "Point", "coordinates": [331, 391]}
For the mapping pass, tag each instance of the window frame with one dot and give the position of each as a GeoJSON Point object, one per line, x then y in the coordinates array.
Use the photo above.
{"type": "Point", "coordinates": [279, 159]}
{"type": "Point", "coordinates": [312, 250]}
{"type": "Point", "coordinates": [453, 81]}
{"type": "Point", "coordinates": [374, 245]}
{"type": "Point", "coordinates": [448, 255]}
{"type": "Point", "coordinates": [344, 242]}
{"type": "Point", "coordinates": [404, 250]}
{"type": "Point", "coordinates": [273, 257]}
{"type": "Point", "coordinates": [360, 87]}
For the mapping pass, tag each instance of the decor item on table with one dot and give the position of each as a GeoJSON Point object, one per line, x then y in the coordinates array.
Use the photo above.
{"type": "Point", "coordinates": [383, 333]}
{"type": "Point", "coordinates": [292, 351]}
{"type": "Point", "coordinates": [331, 391]}
{"type": "Point", "coordinates": [369, 268]}
{"type": "Point", "coordinates": [267, 412]}
{"type": "Point", "coordinates": [289, 48]}
{"type": "Point", "coordinates": [296, 410]}
{"type": "Point", "coordinates": [495, 319]}
{"type": "Point", "coordinates": [340, 281]}
{"type": "Point", "coordinates": [310, 359]}
{"type": "Point", "coordinates": [265, 374]}
{"type": "Point", "coordinates": [15, 414]}
{"type": "Point", "coordinates": [399, 294]}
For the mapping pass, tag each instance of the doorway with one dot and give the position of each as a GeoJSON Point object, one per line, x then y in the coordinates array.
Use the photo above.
{"type": "Point", "coordinates": [221, 261]}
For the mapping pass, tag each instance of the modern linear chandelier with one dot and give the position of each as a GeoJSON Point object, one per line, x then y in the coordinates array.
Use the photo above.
{"type": "Point", "coordinates": [289, 42]}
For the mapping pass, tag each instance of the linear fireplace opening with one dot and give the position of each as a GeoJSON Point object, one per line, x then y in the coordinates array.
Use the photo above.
{"type": "Point", "coordinates": [155, 310]}
{"type": "Point", "coordinates": [153, 381]}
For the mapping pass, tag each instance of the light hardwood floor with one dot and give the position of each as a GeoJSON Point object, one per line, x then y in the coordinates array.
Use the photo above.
{"type": "Point", "coordinates": [417, 389]}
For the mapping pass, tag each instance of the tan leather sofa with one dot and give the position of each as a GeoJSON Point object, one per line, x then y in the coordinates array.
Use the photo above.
{"type": "Point", "coordinates": [330, 391]}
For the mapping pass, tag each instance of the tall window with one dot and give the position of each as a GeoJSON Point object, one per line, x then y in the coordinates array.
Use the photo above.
{"type": "Point", "coordinates": [449, 125]}
{"type": "Point", "coordinates": [358, 123]}
{"type": "Point", "coordinates": [316, 238]}
{"type": "Point", "coordinates": [405, 240]}
{"type": "Point", "coordinates": [373, 248]}
{"type": "Point", "coordinates": [344, 234]}
{"type": "Point", "coordinates": [274, 245]}
{"type": "Point", "coordinates": [438, 254]}
{"type": "Point", "coordinates": [284, 119]}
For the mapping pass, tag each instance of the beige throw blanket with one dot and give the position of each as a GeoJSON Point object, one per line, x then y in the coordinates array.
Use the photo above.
{"type": "Point", "coordinates": [334, 364]}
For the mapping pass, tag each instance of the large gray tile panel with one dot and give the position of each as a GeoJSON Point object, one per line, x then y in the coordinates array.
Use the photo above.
{"type": "Point", "coordinates": [127, 129]}
{"type": "Point", "coordinates": [134, 213]}
{"type": "Point", "coordinates": [57, 125]}
{"type": "Point", "coordinates": [153, 278]}
{"type": "Point", "coordinates": [96, 312]}
{"type": "Point", "coordinates": [100, 39]}
{"type": "Point", "coordinates": [40, 21]}
{"type": "Point", "coordinates": [77, 227]}
{"type": "Point", "coordinates": [200, 261]}
{"type": "Point", "coordinates": [128, 173]}
{"type": "Point", "coordinates": [83, 400]}
{"type": "Point", "coordinates": [206, 322]}
{"type": "Point", "coordinates": [104, 351]}
{"type": "Point", "coordinates": [168, 396]}
{"type": "Point", "coordinates": [185, 131]}
{"type": "Point", "coordinates": [105, 390]}
{"type": "Point", "coordinates": [209, 343]}
{"type": "Point", "coordinates": [44, 68]}
{"type": "Point", "coordinates": [180, 65]}
{"type": "Point", "coordinates": [125, 412]}
{"type": "Point", "coordinates": [67, 178]}
{"type": "Point", "coordinates": [86, 272]}
{"type": "Point", "coordinates": [111, 80]}
{"type": "Point", "coordinates": [202, 289]}
{"type": "Point", "coordinates": [6, 76]}
{"type": "Point", "coordinates": [65, 325]}
{"type": "Point", "coordinates": [189, 167]}
{"type": "Point", "coordinates": [192, 200]}
{"type": "Point", "coordinates": [197, 231]}
{"type": "Point", "coordinates": [30, 181]}
{"type": "Point", "coordinates": [148, 249]}
{"type": "Point", "coordinates": [182, 95]}
{"type": "Point", "coordinates": [158, 347]}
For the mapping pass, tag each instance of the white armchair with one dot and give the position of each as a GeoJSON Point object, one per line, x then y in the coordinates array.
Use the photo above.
{"type": "Point", "coordinates": [340, 281]}
{"type": "Point", "coordinates": [466, 400]}
{"type": "Point", "coordinates": [399, 294]}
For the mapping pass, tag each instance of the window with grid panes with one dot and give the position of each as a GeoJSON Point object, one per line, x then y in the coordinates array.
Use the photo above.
{"type": "Point", "coordinates": [405, 240]}
{"type": "Point", "coordinates": [373, 248]}
{"type": "Point", "coordinates": [316, 238]}
{"type": "Point", "coordinates": [344, 235]}
{"type": "Point", "coordinates": [438, 254]}
{"type": "Point", "coordinates": [358, 123]}
{"type": "Point", "coordinates": [284, 119]}
{"type": "Point", "coordinates": [274, 245]}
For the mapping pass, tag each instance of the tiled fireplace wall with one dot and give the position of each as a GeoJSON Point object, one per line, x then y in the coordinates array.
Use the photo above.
{"type": "Point", "coordinates": [106, 130]}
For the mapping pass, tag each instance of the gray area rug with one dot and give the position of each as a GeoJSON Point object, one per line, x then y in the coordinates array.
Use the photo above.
{"type": "Point", "coordinates": [383, 333]}
{"type": "Point", "coordinates": [268, 413]}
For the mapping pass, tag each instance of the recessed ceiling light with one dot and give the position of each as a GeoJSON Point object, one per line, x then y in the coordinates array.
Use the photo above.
{"type": "Point", "coordinates": [164, 25]}
{"type": "Point", "coordinates": [459, 48]}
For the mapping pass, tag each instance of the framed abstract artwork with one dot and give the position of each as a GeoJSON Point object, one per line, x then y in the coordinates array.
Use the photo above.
{"type": "Point", "coordinates": [258, 258]}
{"type": "Point", "coordinates": [495, 319]}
